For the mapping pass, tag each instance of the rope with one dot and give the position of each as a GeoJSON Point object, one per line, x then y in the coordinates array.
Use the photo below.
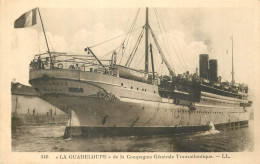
{"type": "Point", "coordinates": [166, 43]}
{"type": "Point", "coordinates": [135, 49]}
{"type": "Point", "coordinates": [183, 64]}
{"type": "Point", "coordinates": [124, 38]}
{"type": "Point", "coordinates": [164, 40]}
{"type": "Point", "coordinates": [177, 42]}
{"type": "Point", "coordinates": [131, 27]}
{"type": "Point", "coordinates": [111, 51]}
{"type": "Point", "coordinates": [127, 38]}
{"type": "Point", "coordinates": [113, 38]}
{"type": "Point", "coordinates": [140, 60]}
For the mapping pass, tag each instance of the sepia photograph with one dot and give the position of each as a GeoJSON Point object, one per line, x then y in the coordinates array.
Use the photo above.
{"type": "Point", "coordinates": [130, 78]}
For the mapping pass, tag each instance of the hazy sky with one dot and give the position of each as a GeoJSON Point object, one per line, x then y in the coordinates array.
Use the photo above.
{"type": "Point", "coordinates": [186, 32]}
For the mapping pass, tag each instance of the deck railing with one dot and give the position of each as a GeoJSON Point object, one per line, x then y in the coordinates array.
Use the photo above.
{"type": "Point", "coordinates": [68, 61]}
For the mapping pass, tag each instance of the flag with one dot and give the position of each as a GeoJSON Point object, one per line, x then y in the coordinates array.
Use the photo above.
{"type": "Point", "coordinates": [26, 20]}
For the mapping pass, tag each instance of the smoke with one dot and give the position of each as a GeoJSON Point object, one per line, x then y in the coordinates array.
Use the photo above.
{"type": "Point", "coordinates": [208, 43]}
{"type": "Point", "coordinates": [195, 27]}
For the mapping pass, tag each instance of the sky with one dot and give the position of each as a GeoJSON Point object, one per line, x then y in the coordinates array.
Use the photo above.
{"type": "Point", "coordinates": [183, 34]}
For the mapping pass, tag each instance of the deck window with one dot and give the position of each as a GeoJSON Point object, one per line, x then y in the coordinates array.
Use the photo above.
{"type": "Point", "coordinates": [75, 89]}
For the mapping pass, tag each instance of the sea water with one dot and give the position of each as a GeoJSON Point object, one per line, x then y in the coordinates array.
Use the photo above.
{"type": "Point", "coordinates": [49, 138]}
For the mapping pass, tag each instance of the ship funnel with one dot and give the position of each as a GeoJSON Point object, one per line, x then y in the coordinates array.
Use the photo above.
{"type": "Point", "coordinates": [204, 58]}
{"type": "Point", "coordinates": [213, 70]}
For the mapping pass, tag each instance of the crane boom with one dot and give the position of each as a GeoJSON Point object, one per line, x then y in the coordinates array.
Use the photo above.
{"type": "Point", "coordinates": [89, 50]}
{"type": "Point", "coordinates": [161, 53]}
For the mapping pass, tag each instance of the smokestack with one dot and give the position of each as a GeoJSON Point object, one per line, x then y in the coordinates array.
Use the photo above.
{"type": "Point", "coordinates": [213, 70]}
{"type": "Point", "coordinates": [204, 59]}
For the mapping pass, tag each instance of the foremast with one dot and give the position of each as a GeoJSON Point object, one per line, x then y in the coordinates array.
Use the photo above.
{"type": "Point", "coordinates": [146, 40]}
{"type": "Point", "coordinates": [147, 28]}
{"type": "Point", "coordinates": [232, 73]}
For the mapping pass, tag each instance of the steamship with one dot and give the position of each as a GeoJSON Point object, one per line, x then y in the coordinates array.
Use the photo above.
{"type": "Point", "coordinates": [104, 97]}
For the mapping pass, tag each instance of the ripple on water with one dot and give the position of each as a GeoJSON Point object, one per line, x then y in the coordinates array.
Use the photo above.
{"type": "Point", "coordinates": [49, 138]}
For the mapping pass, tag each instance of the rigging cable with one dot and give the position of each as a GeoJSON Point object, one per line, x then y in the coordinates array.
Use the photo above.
{"type": "Point", "coordinates": [182, 63]}
{"type": "Point", "coordinates": [172, 60]}
{"type": "Point", "coordinates": [140, 60]}
{"type": "Point", "coordinates": [181, 66]}
{"type": "Point", "coordinates": [177, 43]}
{"type": "Point", "coordinates": [135, 49]}
{"type": "Point", "coordinates": [113, 38]}
{"type": "Point", "coordinates": [123, 41]}
{"type": "Point", "coordinates": [127, 38]}
{"type": "Point", "coordinates": [111, 51]}
{"type": "Point", "coordinates": [165, 42]}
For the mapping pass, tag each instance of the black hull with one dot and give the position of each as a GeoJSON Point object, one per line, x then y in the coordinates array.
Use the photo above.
{"type": "Point", "coordinates": [144, 131]}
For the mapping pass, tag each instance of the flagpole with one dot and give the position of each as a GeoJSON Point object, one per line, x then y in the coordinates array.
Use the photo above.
{"type": "Point", "coordinates": [45, 38]}
{"type": "Point", "coordinates": [233, 80]}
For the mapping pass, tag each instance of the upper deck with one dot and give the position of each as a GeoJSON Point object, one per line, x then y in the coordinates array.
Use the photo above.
{"type": "Point", "coordinates": [87, 63]}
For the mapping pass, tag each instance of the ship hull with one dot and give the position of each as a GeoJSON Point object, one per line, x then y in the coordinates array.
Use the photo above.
{"type": "Point", "coordinates": [92, 116]}
{"type": "Point", "coordinates": [86, 131]}
{"type": "Point", "coordinates": [113, 108]}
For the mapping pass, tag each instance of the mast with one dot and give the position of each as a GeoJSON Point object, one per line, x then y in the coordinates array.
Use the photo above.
{"type": "Point", "coordinates": [151, 49]}
{"type": "Point", "coordinates": [16, 99]}
{"type": "Point", "coordinates": [146, 40]}
{"type": "Point", "coordinates": [233, 79]}
{"type": "Point", "coordinates": [45, 38]}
